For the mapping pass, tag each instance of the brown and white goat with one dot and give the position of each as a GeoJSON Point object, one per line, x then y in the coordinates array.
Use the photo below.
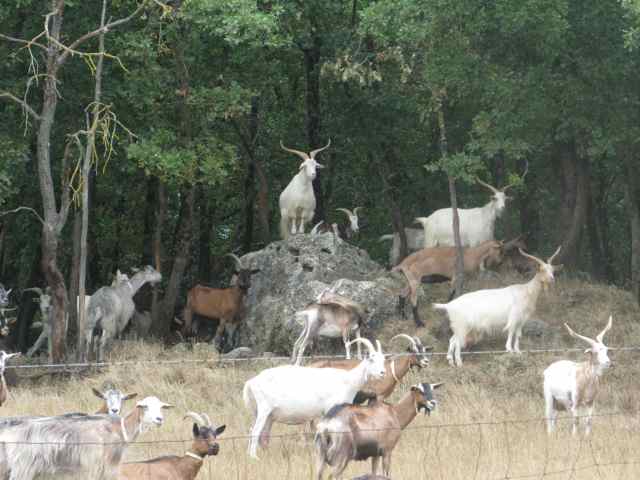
{"type": "Point", "coordinates": [331, 316]}
{"type": "Point", "coordinates": [345, 231]}
{"type": "Point", "coordinates": [4, 392]}
{"type": "Point", "coordinates": [172, 467]}
{"type": "Point", "coordinates": [571, 385]}
{"type": "Point", "coordinates": [112, 399]}
{"type": "Point", "coordinates": [352, 432]}
{"type": "Point", "coordinates": [396, 367]}
{"type": "Point", "coordinates": [514, 261]}
{"type": "Point", "coordinates": [225, 304]}
{"type": "Point", "coordinates": [442, 261]}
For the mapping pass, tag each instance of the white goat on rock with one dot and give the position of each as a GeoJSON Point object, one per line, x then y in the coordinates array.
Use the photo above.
{"type": "Point", "coordinates": [570, 385]}
{"type": "Point", "coordinates": [477, 225]}
{"type": "Point", "coordinates": [484, 311]}
{"type": "Point", "coordinates": [297, 200]}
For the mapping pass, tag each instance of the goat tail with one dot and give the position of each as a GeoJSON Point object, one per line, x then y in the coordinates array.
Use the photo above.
{"type": "Point", "coordinates": [248, 397]}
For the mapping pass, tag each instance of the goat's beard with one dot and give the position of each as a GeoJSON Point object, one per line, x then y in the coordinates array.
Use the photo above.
{"type": "Point", "coordinates": [422, 406]}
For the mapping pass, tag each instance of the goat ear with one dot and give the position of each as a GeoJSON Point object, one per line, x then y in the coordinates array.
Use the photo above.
{"type": "Point", "coordinates": [97, 393]}
{"type": "Point", "coordinates": [196, 430]}
{"type": "Point", "coordinates": [415, 389]}
{"type": "Point", "coordinates": [129, 396]}
{"type": "Point", "coordinates": [436, 385]}
{"type": "Point", "coordinates": [220, 429]}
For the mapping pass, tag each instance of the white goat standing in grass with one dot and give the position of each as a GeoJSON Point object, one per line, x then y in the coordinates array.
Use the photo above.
{"type": "Point", "coordinates": [297, 200]}
{"type": "Point", "coordinates": [571, 385]}
{"type": "Point", "coordinates": [477, 225]}
{"type": "Point", "coordinates": [294, 395]}
{"type": "Point", "coordinates": [484, 311]}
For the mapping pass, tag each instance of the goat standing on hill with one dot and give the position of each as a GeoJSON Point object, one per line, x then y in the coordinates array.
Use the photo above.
{"type": "Point", "coordinates": [111, 308]}
{"type": "Point", "coordinates": [225, 304]}
{"type": "Point", "coordinates": [352, 432]}
{"type": "Point", "coordinates": [294, 395]}
{"type": "Point", "coordinates": [442, 261]}
{"type": "Point", "coordinates": [477, 225]}
{"type": "Point", "coordinates": [345, 231]}
{"type": "Point", "coordinates": [396, 367]}
{"type": "Point", "coordinates": [91, 445]}
{"type": "Point", "coordinates": [172, 467]}
{"type": "Point", "coordinates": [485, 311]}
{"type": "Point", "coordinates": [297, 200]}
{"type": "Point", "coordinates": [571, 385]}
{"type": "Point", "coordinates": [331, 316]}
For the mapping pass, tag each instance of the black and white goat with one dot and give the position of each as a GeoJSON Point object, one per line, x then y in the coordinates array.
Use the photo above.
{"type": "Point", "coordinates": [345, 231]}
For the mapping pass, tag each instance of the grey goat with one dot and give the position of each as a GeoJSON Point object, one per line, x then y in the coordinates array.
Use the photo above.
{"type": "Point", "coordinates": [111, 309]}
{"type": "Point", "coordinates": [76, 444]}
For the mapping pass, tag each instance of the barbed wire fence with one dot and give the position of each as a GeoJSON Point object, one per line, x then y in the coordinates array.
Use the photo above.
{"type": "Point", "coordinates": [512, 449]}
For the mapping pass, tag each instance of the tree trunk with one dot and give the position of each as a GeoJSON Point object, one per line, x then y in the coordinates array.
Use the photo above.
{"type": "Point", "coordinates": [204, 237]}
{"type": "Point", "coordinates": [151, 205]}
{"type": "Point", "coordinates": [182, 253]}
{"type": "Point", "coordinates": [75, 269]}
{"type": "Point", "coordinates": [249, 184]}
{"type": "Point", "coordinates": [632, 198]}
{"type": "Point", "coordinates": [312, 75]}
{"type": "Point", "coordinates": [529, 213]}
{"type": "Point", "coordinates": [574, 180]}
{"type": "Point", "coordinates": [160, 215]}
{"type": "Point", "coordinates": [598, 255]}
{"type": "Point", "coordinates": [28, 305]}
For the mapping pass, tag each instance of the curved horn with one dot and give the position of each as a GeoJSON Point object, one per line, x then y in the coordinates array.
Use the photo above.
{"type": "Point", "coordinates": [197, 417]}
{"type": "Point", "coordinates": [313, 153]}
{"type": "Point", "coordinates": [364, 341]}
{"type": "Point", "coordinates": [493, 189]}
{"type": "Point", "coordinates": [554, 255]}
{"type": "Point", "coordinates": [404, 335]}
{"type": "Point", "coordinates": [302, 155]}
{"type": "Point", "coordinates": [314, 230]}
{"type": "Point", "coordinates": [582, 337]}
{"type": "Point", "coordinates": [600, 336]}
{"type": "Point", "coordinates": [355, 210]}
{"type": "Point", "coordinates": [379, 346]}
{"type": "Point", "coordinates": [206, 417]}
{"type": "Point", "coordinates": [526, 170]}
{"type": "Point", "coordinates": [38, 290]}
{"type": "Point", "coordinates": [524, 254]}
{"type": "Point", "coordinates": [347, 211]}
{"type": "Point", "coordinates": [235, 257]}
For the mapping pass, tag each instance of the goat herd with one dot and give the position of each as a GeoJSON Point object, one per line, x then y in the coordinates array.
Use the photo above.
{"type": "Point", "coordinates": [330, 394]}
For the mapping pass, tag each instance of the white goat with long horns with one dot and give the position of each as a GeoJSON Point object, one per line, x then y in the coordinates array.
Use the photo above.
{"type": "Point", "coordinates": [477, 225]}
{"type": "Point", "coordinates": [295, 395]}
{"type": "Point", "coordinates": [571, 385]}
{"type": "Point", "coordinates": [297, 200]}
{"type": "Point", "coordinates": [484, 311]}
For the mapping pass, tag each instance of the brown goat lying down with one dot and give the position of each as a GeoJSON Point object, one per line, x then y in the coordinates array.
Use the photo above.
{"type": "Point", "coordinates": [172, 467]}
{"type": "Point", "coordinates": [351, 432]}
{"type": "Point", "coordinates": [442, 261]}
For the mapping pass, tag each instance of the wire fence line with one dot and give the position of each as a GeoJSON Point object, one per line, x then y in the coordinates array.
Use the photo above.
{"type": "Point", "coordinates": [268, 358]}
{"type": "Point", "coordinates": [483, 450]}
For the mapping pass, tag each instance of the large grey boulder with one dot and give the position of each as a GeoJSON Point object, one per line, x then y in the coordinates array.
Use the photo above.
{"type": "Point", "coordinates": [294, 272]}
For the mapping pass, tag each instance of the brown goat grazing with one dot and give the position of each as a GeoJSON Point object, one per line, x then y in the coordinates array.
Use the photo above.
{"type": "Point", "coordinates": [225, 304]}
{"type": "Point", "coordinates": [396, 367]}
{"type": "Point", "coordinates": [442, 261]}
{"type": "Point", "coordinates": [352, 432]}
{"type": "Point", "coordinates": [172, 467]}
{"type": "Point", "coordinates": [514, 261]}
{"type": "Point", "coordinates": [4, 391]}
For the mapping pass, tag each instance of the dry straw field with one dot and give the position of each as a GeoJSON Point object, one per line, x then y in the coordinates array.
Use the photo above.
{"type": "Point", "coordinates": [488, 424]}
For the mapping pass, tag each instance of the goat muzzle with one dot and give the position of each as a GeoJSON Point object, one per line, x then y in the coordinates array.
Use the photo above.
{"type": "Point", "coordinates": [213, 449]}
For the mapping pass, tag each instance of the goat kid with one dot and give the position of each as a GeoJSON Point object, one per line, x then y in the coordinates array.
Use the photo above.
{"type": "Point", "coordinates": [396, 367]}
{"type": "Point", "coordinates": [331, 316]}
{"type": "Point", "coordinates": [172, 467]}
{"type": "Point", "coordinates": [352, 432]}
{"type": "Point", "coordinates": [4, 356]}
{"type": "Point", "coordinates": [572, 386]}
{"type": "Point", "coordinates": [225, 304]}
{"type": "Point", "coordinates": [295, 395]}
{"type": "Point", "coordinates": [484, 311]}
{"type": "Point", "coordinates": [297, 201]}
{"type": "Point", "coordinates": [442, 261]}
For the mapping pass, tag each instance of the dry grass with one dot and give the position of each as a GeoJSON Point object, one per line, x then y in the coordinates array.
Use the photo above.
{"type": "Point", "coordinates": [488, 425]}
